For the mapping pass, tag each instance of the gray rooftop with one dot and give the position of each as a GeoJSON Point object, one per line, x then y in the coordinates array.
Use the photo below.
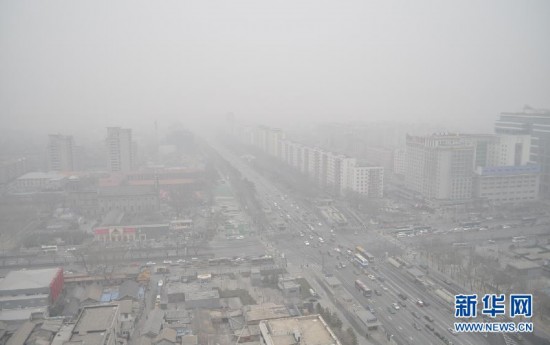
{"type": "Point", "coordinates": [200, 295]}
{"type": "Point", "coordinates": [28, 279]}
{"type": "Point", "coordinates": [95, 319]}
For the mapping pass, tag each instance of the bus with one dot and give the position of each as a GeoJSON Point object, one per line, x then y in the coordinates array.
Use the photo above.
{"type": "Point", "coordinates": [460, 244]}
{"type": "Point", "coordinates": [360, 260]}
{"type": "Point", "coordinates": [49, 249]}
{"type": "Point", "coordinates": [518, 239]}
{"type": "Point", "coordinates": [180, 224]}
{"type": "Point", "coordinates": [364, 253]}
{"type": "Point", "coordinates": [363, 288]}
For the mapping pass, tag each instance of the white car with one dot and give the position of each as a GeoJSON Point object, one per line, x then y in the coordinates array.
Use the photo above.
{"type": "Point", "coordinates": [306, 243]}
{"type": "Point", "coordinates": [337, 250]}
{"type": "Point", "coordinates": [395, 306]}
{"type": "Point", "coordinates": [320, 224]}
{"type": "Point", "coordinates": [167, 262]}
{"type": "Point", "coordinates": [150, 263]}
{"type": "Point", "coordinates": [160, 283]}
{"type": "Point", "coordinates": [371, 277]}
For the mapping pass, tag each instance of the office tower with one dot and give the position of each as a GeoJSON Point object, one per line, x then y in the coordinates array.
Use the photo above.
{"type": "Point", "coordinates": [440, 166]}
{"type": "Point", "coordinates": [120, 149]}
{"type": "Point", "coordinates": [61, 152]}
{"type": "Point", "coordinates": [536, 123]}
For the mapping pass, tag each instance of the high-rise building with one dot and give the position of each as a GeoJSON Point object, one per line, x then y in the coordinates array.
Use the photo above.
{"type": "Point", "coordinates": [536, 123]}
{"type": "Point", "coordinates": [120, 149]}
{"type": "Point", "coordinates": [440, 167]}
{"type": "Point", "coordinates": [61, 155]}
{"type": "Point", "coordinates": [499, 149]}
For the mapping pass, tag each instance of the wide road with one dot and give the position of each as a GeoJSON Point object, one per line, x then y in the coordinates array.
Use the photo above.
{"type": "Point", "coordinates": [304, 226]}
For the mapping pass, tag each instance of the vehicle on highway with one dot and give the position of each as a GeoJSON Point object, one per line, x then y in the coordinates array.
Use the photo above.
{"type": "Point", "coordinates": [395, 306]}
{"type": "Point", "coordinates": [371, 277]}
{"type": "Point", "coordinates": [306, 243]}
{"type": "Point", "coordinates": [384, 287]}
{"type": "Point", "coordinates": [364, 253]}
{"type": "Point", "coordinates": [402, 296]}
{"type": "Point", "coordinates": [415, 314]}
{"type": "Point", "coordinates": [519, 239]}
{"type": "Point", "coordinates": [160, 283]}
{"type": "Point", "coordinates": [430, 327]}
{"type": "Point", "coordinates": [49, 249]}
{"type": "Point", "coordinates": [360, 261]}
{"type": "Point", "coordinates": [150, 263]}
{"type": "Point", "coordinates": [416, 326]}
{"type": "Point", "coordinates": [363, 288]}
{"type": "Point", "coordinates": [402, 304]}
{"type": "Point", "coordinates": [419, 303]}
{"type": "Point", "coordinates": [377, 293]}
{"type": "Point", "coordinates": [391, 310]}
{"type": "Point", "coordinates": [452, 331]}
{"type": "Point", "coordinates": [428, 318]}
{"type": "Point", "coordinates": [167, 262]}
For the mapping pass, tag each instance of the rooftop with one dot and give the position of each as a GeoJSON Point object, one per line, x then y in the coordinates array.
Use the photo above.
{"type": "Point", "coordinates": [310, 330]}
{"type": "Point", "coordinates": [41, 175]}
{"type": "Point", "coordinates": [265, 311]}
{"type": "Point", "coordinates": [95, 319]}
{"type": "Point", "coordinates": [200, 295]}
{"type": "Point", "coordinates": [28, 279]}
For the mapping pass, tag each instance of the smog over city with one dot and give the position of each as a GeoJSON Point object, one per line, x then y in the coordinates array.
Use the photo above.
{"type": "Point", "coordinates": [274, 172]}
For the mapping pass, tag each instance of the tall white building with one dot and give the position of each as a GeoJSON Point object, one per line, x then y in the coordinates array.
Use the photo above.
{"type": "Point", "coordinates": [120, 149]}
{"type": "Point", "coordinates": [440, 166]}
{"type": "Point", "coordinates": [536, 123]}
{"type": "Point", "coordinates": [61, 156]}
{"type": "Point", "coordinates": [368, 181]}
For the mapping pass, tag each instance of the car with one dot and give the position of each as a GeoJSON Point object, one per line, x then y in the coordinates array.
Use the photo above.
{"type": "Point", "coordinates": [402, 296]}
{"type": "Point", "coordinates": [415, 314]}
{"type": "Point", "coordinates": [416, 326]}
{"type": "Point", "coordinates": [395, 306]}
{"type": "Point", "coordinates": [160, 283]}
{"type": "Point", "coordinates": [390, 309]}
{"type": "Point", "coordinates": [337, 250]}
{"type": "Point", "coordinates": [377, 293]}
{"type": "Point", "coordinates": [302, 234]}
{"type": "Point", "coordinates": [402, 304]}
{"type": "Point", "coordinates": [371, 277]}
{"type": "Point", "coordinates": [240, 237]}
{"type": "Point", "coordinates": [167, 262]}
{"type": "Point", "coordinates": [384, 287]}
{"type": "Point", "coordinates": [150, 263]}
{"type": "Point", "coordinates": [430, 327]}
{"type": "Point", "coordinates": [505, 226]}
{"type": "Point", "coordinates": [428, 318]}
{"type": "Point", "coordinates": [320, 224]}
{"type": "Point", "coordinates": [306, 243]}
{"type": "Point", "coordinates": [180, 261]}
{"type": "Point", "coordinates": [419, 303]}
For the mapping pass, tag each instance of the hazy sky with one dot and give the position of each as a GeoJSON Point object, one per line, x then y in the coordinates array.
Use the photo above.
{"type": "Point", "coordinates": [65, 64]}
